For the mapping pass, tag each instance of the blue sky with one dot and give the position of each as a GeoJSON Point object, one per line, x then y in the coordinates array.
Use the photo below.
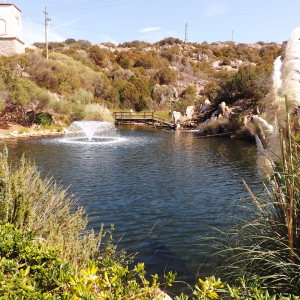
{"type": "Point", "coordinates": [152, 20]}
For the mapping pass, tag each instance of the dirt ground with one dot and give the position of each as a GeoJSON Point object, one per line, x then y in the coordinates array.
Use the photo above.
{"type": "Point", "coordinates": [6, 127]}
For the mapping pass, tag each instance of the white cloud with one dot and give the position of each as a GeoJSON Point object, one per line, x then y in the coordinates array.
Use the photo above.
{"type": "Point", "coordinates": [69, 23]}
{"type": "Point", "coordinates": [215, 9]}
{"type": "Point", "coordinates": [149, 29]}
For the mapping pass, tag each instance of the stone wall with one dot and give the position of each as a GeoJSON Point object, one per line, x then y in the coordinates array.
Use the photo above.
{"type": "Point", "coordinates": [11, 46]}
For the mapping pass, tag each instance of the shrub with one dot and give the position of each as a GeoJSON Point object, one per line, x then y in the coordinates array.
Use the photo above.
{"type": "Point", "coordinates": [97, 112]}
{"type": "Point", "coordinates": [24, 129]}
{"type": "Point", "coordinates": [181, 105]}
{"type": "Point", "coordinates": [189, 92]}
{"type": "Point", "coordinates": [123, 60]}
{"type": "Point", "coordinates": [43, 119]}
{"type": "Point", "coordinates": [226, 62]}
{"type": "Point", "coordinates": [97, 54]}
{"type": "Point", "coordinates": [41, 206]}
{"type": "Point", "coordinates": [82, 96]}
{"type": "Point", "coordinates": [145, 60]}
{"type": "Point", "coordinates": [166, 75]}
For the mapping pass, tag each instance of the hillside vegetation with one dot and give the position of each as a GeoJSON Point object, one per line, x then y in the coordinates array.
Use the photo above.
{"type": "Point", "coordinates": [79, 79]}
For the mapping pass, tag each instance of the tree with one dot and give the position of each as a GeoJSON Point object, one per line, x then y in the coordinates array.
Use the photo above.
{"type": "Point", "coordinates": [84, 44]}
{"type": "Point", "coordinates": [70, 41]}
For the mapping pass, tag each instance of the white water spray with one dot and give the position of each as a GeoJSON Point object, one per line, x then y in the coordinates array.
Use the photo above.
{"type": "Point", "coordinates": [89, 128]}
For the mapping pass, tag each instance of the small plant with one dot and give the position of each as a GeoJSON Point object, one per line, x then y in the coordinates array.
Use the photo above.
{"type": "Point", "coordinates": [49, 127]}
{"type": "Point", "coordinates": [24, 129]}
{"type": "Point", "coordinates": [44, 119]}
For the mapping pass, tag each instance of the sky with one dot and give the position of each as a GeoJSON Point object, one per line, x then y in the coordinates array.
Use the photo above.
{"type": "Point", "coordinates": [119, 21]}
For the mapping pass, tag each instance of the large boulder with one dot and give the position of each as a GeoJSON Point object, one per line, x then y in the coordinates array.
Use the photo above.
{"type": "Point", "coordinates": [222, 108]}
{"type": "Point", "coordinates": [189, 112]}
{"type": "Point", "coordinates": [205, 107]}
{"type": "Point", "coordinates": [216, 64]}
{"type": "Point", "coordinates": [176, 117]}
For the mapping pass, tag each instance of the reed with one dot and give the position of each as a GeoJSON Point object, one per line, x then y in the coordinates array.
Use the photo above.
{"type": "Point", "coordinates": [265, 240]}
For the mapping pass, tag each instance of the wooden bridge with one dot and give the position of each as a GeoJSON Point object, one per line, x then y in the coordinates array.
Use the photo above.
{"type": "Point", "coordinates": [150, 118]}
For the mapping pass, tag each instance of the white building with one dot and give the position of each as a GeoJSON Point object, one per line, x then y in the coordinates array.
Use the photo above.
{"type": "Point", "coordinates": [10, 29]}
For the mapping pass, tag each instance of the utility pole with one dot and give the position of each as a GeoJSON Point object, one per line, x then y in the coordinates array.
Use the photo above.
{"type": "Point", "coordinates": [47, 21]}
{"type": "Point", "coordinates": [232, 35]}
{"type": "Point", "coordinates": [186, 39]}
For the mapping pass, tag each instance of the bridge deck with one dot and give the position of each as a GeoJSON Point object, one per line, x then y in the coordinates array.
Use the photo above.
{"type": "Point", "coordinates": [149, 118]}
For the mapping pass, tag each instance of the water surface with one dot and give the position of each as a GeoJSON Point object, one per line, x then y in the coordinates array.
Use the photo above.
{"type": "Point", "coordinates": [172, 184]}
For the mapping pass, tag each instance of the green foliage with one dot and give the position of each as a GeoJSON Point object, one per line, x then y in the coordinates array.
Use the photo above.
{"type": "Point", "coordinates": [159, 93]}
{"type": "Point", "coordinates": [145, 60]}
{"type": "Point", "coordinates": [181, 105]}
{"type": "Point", "coordinates": [123, 60]}
{"type": "Point", "coordinates": [168, 54]}
{"type": "Point", "coordinates": [226, 62]}
{"type": "Point", "coordinates": [82, 96]}
{"type": "Point", "coordinates": [41, 206]}
{"type": "Point", "coordinates": [189, 92]}
{"type": "Point", "coordinates": [211, 90]}
{"type": "Point", "coordinates": [249, 82]}
{"type": "Point", "coordinates": [143, 87]}
{"type": "Point", "coordinates": [129, 95]}
{"type": "Point", "coordinates": [43, 119]}
{"type": "Point", "coordinates": [169, 41]}
{"type": "Point", "coordinates": [24, 129]}
{"type": "Point", "coordinates": [166, 76]}
{"type": "Point", "coordinates": [264, 240]}
{"type": "Point", "coordinates": [29, 270]}
{"type": "Point", "coordinates": [97, 54]}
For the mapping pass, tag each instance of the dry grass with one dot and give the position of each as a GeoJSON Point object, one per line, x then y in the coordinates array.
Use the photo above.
{"type": "Point", "coordinates": [97, 112]}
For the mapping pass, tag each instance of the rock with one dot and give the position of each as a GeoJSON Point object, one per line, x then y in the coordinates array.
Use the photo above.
{"type": "Point", "coordinates": [222, 108]}
{"type": "Point", "coordinates": [189, 112]}
{"type": "Point", "coordinates": [205, 106]}
{"type": "Point", "coordinates": [237, 63]}
{"type": "Point", "coordinates": [176, 94]}
{"type": "Point", "coordinates": [216, 64]}
{"type": "Point", "coordinates": [226, 68]}
{"type": "Point", "coordinates": [227, 112]}
{"type": "Point", "coordinates": [176, 117]}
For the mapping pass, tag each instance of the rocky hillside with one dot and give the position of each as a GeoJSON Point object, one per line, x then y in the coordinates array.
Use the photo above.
{"type": "Point", "coordinates": [168, 75]}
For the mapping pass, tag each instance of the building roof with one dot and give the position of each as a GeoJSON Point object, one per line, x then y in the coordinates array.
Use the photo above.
{"type": "Point", "coordinates": [11, 4]}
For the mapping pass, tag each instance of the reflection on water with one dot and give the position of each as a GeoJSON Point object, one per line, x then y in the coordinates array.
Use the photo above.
{"type": "Point", "coordinates": [176, 180]}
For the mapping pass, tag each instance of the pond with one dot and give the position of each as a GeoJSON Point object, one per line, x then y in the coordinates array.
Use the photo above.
{"type": "Point", "coordinates": [162, 190]}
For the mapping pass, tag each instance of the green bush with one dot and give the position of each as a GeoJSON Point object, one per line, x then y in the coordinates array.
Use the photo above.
{"type": "Point", "coordinates": [166, 75]}
{"type": "Point", "coordinates": [181, 105]}
{"type": "Point", "coordinates": [43, 119]}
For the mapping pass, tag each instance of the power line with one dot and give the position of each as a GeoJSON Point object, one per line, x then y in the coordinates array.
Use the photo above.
{"type": "Point", "coordinates": [78, 5]}
{"type": "Point", "coordinates": [56, 10]}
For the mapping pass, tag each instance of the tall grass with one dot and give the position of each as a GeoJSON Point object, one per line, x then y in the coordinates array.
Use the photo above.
{"type": "Point", "coordinates": [43, 207]}
{"type": "Point", "coordinates": [265, 241]}
{"type": "Point", "coordinates": [97, 112]}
